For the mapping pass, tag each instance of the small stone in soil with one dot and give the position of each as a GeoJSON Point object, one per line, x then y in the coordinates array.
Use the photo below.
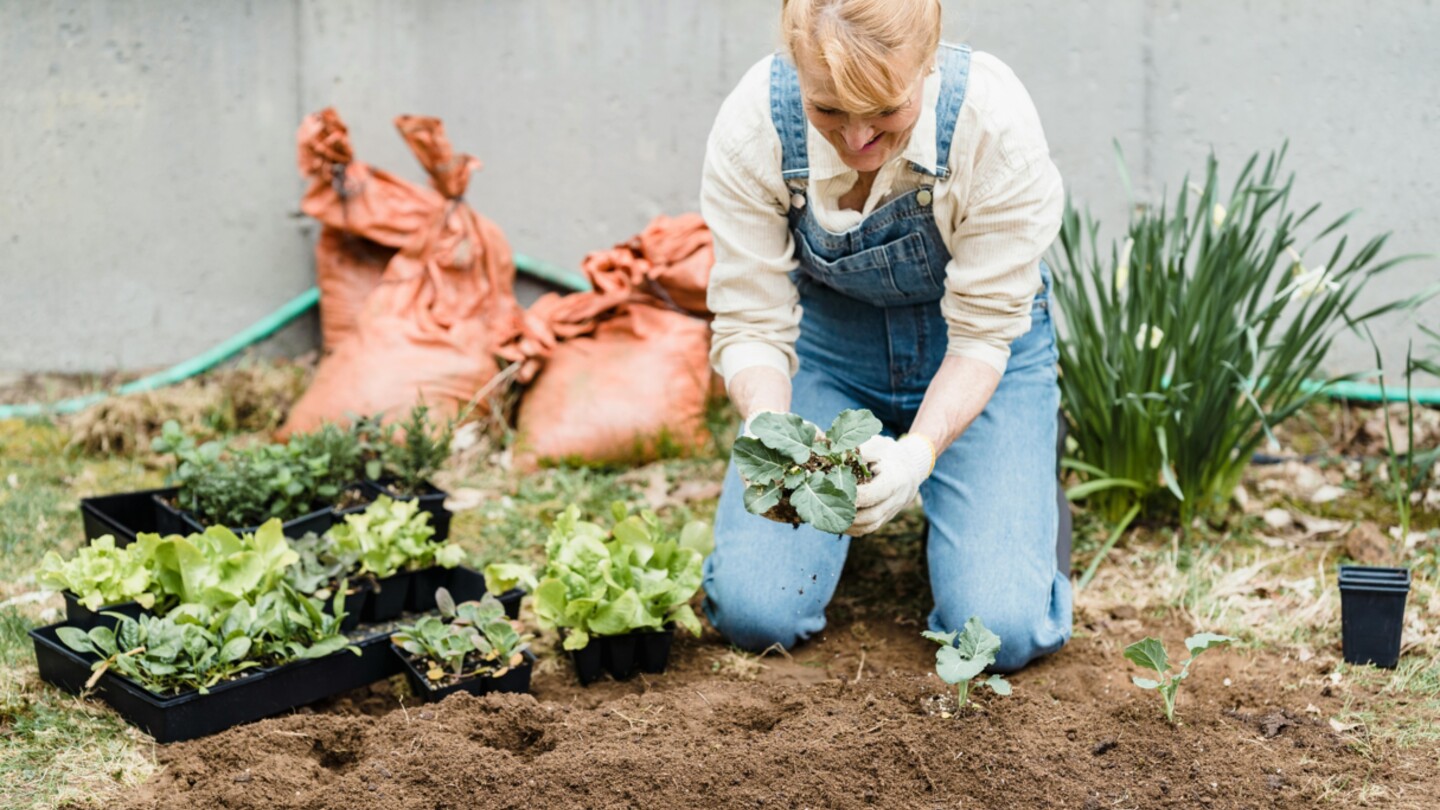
{"type": "Point", "coordinates": [1104, 746]}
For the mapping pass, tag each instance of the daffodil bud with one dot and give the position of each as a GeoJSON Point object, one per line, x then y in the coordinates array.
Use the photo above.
{"type": "Point", "coordinates": [1122, 271]}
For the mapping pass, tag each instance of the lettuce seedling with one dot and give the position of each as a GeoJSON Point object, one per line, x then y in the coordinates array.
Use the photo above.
{"type": "Point", "coordinates": [964, 655]}
{"type": "Point", "coordinates": [390, 535]}
{"type": "Point", "coordinates": [634, 577]}
{"type": "Point", "coordinates": [165, 655]}
{"type": "Point", "coordinates": [217, 568]}
{"type": "Point", "coordinates": [321, 565]}
{"type": "Point", "coordinates": [795, 473]}
{"type": "Point", "coordinates": [99, 574]}
{"type": "Point", "coordinates": [1150, 653]}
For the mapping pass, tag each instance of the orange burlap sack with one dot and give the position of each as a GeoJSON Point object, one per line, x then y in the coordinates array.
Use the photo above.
{"type": "Point", "coordinates": [620, 374]}
{"type": "Point", "coordinates": [428, 330]}
{"type": "Point", "coordinates": [368, 213]}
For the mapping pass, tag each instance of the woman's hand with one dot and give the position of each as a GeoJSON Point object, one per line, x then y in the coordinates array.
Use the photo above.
{"type": "Point", "coordinates": [899, 468]}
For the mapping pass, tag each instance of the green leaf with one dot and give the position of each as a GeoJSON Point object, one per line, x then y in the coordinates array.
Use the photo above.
{"type": "Point", "coordinates": [998, 683]}
{"type": "Point", "coordinates": [576, 640]}
{"type": "Point", "coordinates": [235, 649]}
{"type": "Point", "coordinates": [823, 505]}
{"type": "Point", "coordinates": [620, 615]}
{"type": "Point", "coordinates": [844, 480]}
{"type": "Point", "coordinates": [698, 536]}
{"type": "Point", "coordinates": [757, 463]}
{"type": "Point", "coordinates": [75, 639]}
{"type": "Point", "coordinates": [502, 577]}
{"type": "Point", "coordinates": [946, 639]}
{"type": "Point", "coordinates": [851, 429]}
{"type": "Point", "coordinates": [1149, 653]}
{"type": "Point", "coordinates": [684, 616]}
{"type": "Point", "coordinates": [952, 667]}
{"type": "Point", "coordinates": [760, 498]}
{"type": "Point", "coordinates": [1200, 642]}
{"type": "Point", "coordinates": [784, 433]}
{"type": "Point", "coordinates": [977, 642]}
{"type": "Point", "coordinates": [1144, 683]}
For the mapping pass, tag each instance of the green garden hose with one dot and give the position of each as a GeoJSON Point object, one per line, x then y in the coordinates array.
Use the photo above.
{"type": "Point", "coordinates": [536, 268]}
{"type": "Point", "coordinates": [255, 333]}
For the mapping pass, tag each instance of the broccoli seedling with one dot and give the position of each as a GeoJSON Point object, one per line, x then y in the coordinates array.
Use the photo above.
{"type": "Point", "coordinates": [795, 473]}
{"type": "Point", "coordinates": [966, 654]}
{"type": "Point", "coordinates": [1150, 653]}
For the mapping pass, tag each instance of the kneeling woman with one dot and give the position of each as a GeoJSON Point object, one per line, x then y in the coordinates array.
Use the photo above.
{"type": "Point", "coordinates": [880, 203]}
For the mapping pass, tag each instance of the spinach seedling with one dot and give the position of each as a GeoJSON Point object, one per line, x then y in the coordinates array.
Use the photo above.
{"type": "Point", "coordinates": [1150, 653]}
{"type": "Point", "coordinates": [795, 473]}
{"type": "Point", "coordinates": [966, 654]}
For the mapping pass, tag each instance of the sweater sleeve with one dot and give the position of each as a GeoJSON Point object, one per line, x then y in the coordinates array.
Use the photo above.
{"type": "Point", "coordinates": [744, 200]}
{"type": "Point", "coordinates": [1000, 232]}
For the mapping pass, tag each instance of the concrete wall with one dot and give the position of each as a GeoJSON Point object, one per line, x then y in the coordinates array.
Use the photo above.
{"type": "Point", "coordinates": [146, 148]}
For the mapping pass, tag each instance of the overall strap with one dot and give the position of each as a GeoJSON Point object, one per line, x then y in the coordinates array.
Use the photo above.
{"type": "Point", "coordinates": [954, 76]}
{"type": "Point", "coordinates": [788, 115]}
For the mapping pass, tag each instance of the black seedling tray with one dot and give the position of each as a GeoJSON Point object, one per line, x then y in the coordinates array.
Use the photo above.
{"type": "Point", "coordinates": [179, 521]}
{"type": "Point", "coordinates": [364, 492]}
{"type": "Point", "coordinates": [258, 694]}
{"type": "Point", "coordinates": [80, 616]}
{"type": "Point", "coordinates": [122, 515]}
{"type": "Point", "coordinates": [624, 655]}
{"type": "Point", "coordinates": [388, 597]}
{"type": "Point", "coordinates": [251, 697]}
{"type": "Point", "coordinates": [432, 500]}
{"type": "Point", "coordinates": [354, 604]}
{"type": "Point", "coordinates": [515, 680]}
{"type": "Point", "coordinates": [1372, 611]}
{"type": "Point", "coordinates": [423, 584]}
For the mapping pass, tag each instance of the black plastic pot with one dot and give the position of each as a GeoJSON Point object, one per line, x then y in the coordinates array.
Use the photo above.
{"type": "Point", "coordinates": [191, 714]}
{"type": "Point", "coordinates": [1372, 610]}
{"type": "Point", "coordinates": [423, 584]}
{"type": "Point", "coordinates": [515, 680]}
{"type": "Point", "coordinates": [355, 602]}
{"type": "Point", "coordinates": [388, 597]}
{"type": "Point", "coordinates": [122, 515]}
{"type": "Point", "coordinates": [466, 584]}
{"type": "Point", "coordinates": [355, 509]}
{"type": "Point", "coordinates": [432, 500]}
{"type": "Point", "coordinates": [624, 655]}
{"type": "Point", "coordinates": [80, 616]}
{"type": "Point", "coordinates": [179, 521]}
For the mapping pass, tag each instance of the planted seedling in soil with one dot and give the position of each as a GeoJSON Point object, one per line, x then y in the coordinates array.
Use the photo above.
{"type": "Point", "coordinates": [795, 473]}
{"type": "Point", "coordinates": [963, 656]}
{"type": "Point", "coordinates": [1150, 653]}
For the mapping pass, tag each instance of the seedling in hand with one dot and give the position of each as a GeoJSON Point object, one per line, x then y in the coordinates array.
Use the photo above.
{"type": "Point", "coordinates": [964, 655]}
{"type": "Point", "coordinates": [795, 473]}
{"type": "Point", "coordinates": [1150, 653]}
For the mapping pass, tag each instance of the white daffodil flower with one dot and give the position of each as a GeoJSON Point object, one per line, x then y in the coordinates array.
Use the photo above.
{"type": "Point", "coordinates": [1217, 215]}
{"type": "Point", "coordinates": [1151, 334]}
{"type": "Point", "coordinates": [1310, 283]}
{"type": "Point", "coordinates": [1122, 271]}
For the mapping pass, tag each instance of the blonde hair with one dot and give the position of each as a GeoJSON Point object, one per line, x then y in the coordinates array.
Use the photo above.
{"type": "Point", "coordinates": [857, 41]}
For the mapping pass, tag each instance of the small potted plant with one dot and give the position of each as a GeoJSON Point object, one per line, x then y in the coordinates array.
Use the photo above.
{"type": "Point", "coordinates": [470, 647]}
{"type": "Point", "coordinates": [1372, 613]}
{"type": "Point", "coordinates": [395, 544]}
{"type": "Point", "coordinates": [242, 488]}
{"type": "Point", "coordinates": [617, 596]}
{"type": "Point", "coordinates": [325, 569]}
{"type": "Point", "coordinates": [99, 579]}
{"type": "Point", "coordinates": [406, 467]}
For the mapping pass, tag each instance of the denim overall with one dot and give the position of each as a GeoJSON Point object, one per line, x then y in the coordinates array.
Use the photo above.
{"type": "Point", "coordinates": [872, 336]}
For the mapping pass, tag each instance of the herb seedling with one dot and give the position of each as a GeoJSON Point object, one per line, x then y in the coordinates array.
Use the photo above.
{"type": "Point", "coordinates": [964, 655]}
{"type": "Point", "coordinates": [795, 473]}
{"type": "Point", "coordinates": [1150, 653]}
{"type": "Point", "coordinates": [414, 461]}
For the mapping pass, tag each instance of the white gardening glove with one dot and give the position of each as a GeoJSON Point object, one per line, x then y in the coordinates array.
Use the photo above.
{"type": "Point", "coordinates": [899, 468]}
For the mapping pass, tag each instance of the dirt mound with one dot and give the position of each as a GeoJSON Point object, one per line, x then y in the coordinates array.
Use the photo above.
{"type": "Point", "coordinates": [1075, 734]}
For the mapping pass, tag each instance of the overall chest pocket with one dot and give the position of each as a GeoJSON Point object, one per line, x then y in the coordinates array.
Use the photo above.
{"type": "Point", "coordinates": [892, 274]}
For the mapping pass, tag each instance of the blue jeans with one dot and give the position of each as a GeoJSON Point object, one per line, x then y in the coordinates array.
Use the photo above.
{"type": "Point", "coordinates": [990, 502]}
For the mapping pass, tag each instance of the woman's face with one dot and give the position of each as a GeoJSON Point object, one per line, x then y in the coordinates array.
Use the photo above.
{"type": "Point", "coordinates": [865, 142]}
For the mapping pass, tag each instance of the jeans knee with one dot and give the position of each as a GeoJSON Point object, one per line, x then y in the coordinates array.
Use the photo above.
{"type": "Point", "coordinates": [755, 627]}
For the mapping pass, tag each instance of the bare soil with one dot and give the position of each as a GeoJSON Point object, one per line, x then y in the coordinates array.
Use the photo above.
{"type": "Point", "coordinates": [855, 718]}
